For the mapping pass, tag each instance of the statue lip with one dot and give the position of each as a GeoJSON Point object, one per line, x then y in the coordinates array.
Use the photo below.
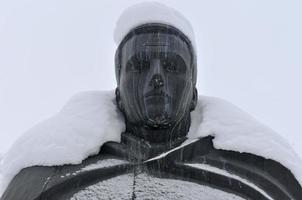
{"type": "Point", "coordinates": [161, 124]}
{"type": "Point", "coordinates": [155, 93]}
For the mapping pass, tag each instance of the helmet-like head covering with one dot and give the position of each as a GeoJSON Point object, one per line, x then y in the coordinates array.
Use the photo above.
{"type": "Point", "coordinates": [135, 19]}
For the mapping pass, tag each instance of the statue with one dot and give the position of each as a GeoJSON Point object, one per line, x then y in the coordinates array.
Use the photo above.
{"type": "Point", "coordinates": [156, 75]}
{"type": "Point", "coordinates": [156, 79]}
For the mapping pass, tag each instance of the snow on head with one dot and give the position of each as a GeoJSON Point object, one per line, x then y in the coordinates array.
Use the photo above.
{"type": "Point", "coordinates": [90, 119]}
{"type": "Point", "coordinates": [151, 12]}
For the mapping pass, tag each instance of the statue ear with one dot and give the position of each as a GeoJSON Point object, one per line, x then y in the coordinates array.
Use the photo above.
{"type": "Point", "coordinates": [194, 99]}
{"type": "Point", "coordinates": [118, 99]}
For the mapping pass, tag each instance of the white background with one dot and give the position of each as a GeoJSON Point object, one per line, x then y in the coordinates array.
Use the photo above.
{"type": "Point", "coordinates": [249, 52]}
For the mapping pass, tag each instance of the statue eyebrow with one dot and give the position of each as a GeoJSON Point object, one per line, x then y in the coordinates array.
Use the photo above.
{"type": "Point", "coordinates": [155, 45]}
{"type": "Point", "coordinates": [153, 54]}
{"type": "Point", "coordinates": [143, 56]}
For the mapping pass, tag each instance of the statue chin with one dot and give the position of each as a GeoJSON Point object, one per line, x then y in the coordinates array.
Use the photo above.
{"type": "Point", "coordinates": [156, 117]}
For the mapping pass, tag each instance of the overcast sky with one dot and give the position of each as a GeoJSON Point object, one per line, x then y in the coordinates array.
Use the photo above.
{"type": "Point", "coordinates": [249, 52]}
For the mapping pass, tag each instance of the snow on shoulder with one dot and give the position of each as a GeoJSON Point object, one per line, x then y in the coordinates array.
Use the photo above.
{"type": "Point", "coordinates": [151, 12]}
{"type": "Point", "coordinates": [86, 122]}
{"type": "Point", "coordinates": [90, 119]}
{"type": "Point", "coordinates": [235, 130]}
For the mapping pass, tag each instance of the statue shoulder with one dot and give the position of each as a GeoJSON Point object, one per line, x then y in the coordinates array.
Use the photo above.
{"type": "Point", "coordinates": [29, 183]}
{"type": "Point", "coordinates": [42, 182]}
{"type": "Point", "coordinates": [270, 176]}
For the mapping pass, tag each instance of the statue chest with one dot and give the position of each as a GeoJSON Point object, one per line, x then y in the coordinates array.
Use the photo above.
{"type": "Point", "coordinates": [196, 171]}
{"type": "Point", "coordinates": [141, 185]}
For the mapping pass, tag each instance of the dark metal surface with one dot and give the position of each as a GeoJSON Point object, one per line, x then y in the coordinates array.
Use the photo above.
{"type": "Point", "coordinates": [156, 76]}
{"type": "Point", "coordinates": [269, 176]}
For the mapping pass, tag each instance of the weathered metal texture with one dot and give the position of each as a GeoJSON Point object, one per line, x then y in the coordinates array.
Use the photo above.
{"type": "Point", "coordinates": [259, 178]}
{"type": "Point", "coordinates": [156, 76]}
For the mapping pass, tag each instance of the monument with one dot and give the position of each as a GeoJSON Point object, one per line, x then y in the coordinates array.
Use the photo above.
{"type": "Point", "coordinates": [156, 72]}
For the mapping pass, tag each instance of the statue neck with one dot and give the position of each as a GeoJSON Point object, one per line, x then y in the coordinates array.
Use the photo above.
{"type": "Point", "coordinates": [161, 135]}
{"type": "Point", "coordinates": [138, 149]}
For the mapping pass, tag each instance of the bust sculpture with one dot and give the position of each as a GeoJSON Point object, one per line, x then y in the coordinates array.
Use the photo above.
{"type": "Point", "coordinates": [156, 76]}
{"type": "Point", "coordinates": [156, 72]}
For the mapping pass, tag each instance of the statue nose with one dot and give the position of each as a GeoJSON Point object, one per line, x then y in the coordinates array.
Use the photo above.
{"type": "Point", "coordinates": [156, 81]}
{"type": "Point", "coordinates": [156, 74]}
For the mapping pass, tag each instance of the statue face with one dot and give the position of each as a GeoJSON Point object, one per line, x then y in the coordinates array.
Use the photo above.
{"type": "Point", "coordinates": [156, 87]}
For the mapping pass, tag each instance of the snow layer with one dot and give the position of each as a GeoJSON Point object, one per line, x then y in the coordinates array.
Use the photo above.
{"type": "Point", "coordinates": [90, 119]}
{"type": "Point", "coordinates": [103, 164]}
{"type": "Point", "coordinates": [236, 130]}
{"type": "Point", "coordinates": [87, 121]}
{"type": "Point", "coordinates": [99, 164]}
{"type": "Point", "coordinates": [151, 12]}
{"type": "Point", "coordinates": [144, 186]}
{"type": "Point", "coordinates": [219, 171]}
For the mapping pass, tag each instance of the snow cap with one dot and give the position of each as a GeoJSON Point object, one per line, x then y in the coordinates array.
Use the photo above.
{"type": "Point", "coordinates": [151, 12]}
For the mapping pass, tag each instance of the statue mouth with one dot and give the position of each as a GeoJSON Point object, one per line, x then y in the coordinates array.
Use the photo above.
{"type": "Point", "coordinates": [156, 94]}
{"type": "Point", "coordinates": [158, 123]}
{"type": "Point", "coordinates": [156, 102]}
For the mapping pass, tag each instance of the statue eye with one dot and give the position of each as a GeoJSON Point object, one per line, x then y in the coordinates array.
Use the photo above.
{"type": "Point", "coordinates": [135, 65]}
{"type": "Point", "coordinates": [170, 65]}
{"type": "Point", "coordinates": [174, 64]}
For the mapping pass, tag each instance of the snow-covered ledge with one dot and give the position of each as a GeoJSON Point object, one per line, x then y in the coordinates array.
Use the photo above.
{"type": "Point", "coordinates": [91, 118]}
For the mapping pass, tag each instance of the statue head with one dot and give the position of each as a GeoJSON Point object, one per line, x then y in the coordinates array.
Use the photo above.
{"type": "Point", "coordinates": [156, 78]}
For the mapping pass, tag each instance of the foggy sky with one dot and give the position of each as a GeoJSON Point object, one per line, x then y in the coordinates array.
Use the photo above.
{"type": "Point", "coordinates": [249, 52]}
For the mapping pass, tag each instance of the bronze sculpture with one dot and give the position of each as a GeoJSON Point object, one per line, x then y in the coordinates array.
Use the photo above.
{"type": "Point", "coordinates": [156, 77]}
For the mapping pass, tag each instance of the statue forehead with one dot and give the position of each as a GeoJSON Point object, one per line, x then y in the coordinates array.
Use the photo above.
{"type": "Point", "coordinates": [156, 43]}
